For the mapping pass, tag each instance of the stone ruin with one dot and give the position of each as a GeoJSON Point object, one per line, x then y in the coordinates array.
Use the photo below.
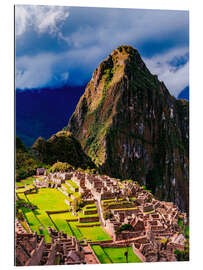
{"type": "Point", "coordinates": [155, 234]}
{"type": "Point", "coordinates": [31, 249]}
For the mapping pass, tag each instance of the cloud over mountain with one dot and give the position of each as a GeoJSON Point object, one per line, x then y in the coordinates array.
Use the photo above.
{"type": "Point", "coordinates": [52, 41]}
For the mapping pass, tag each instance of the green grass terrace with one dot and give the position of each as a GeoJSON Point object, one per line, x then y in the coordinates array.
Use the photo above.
{"type": "Point", "coordinates": [115, 255]}
{"type": "Point", "coordinates": [48, 200]}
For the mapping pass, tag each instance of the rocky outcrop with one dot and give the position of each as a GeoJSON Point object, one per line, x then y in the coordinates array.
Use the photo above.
{"type": "Point", "coordinates": [131, 126]}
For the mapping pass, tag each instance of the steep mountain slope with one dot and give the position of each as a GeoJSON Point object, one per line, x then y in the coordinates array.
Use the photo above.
{"type": "Point", "coordinates": [131, 127]}
{"type": "Point", "coordinates": [63, 147]}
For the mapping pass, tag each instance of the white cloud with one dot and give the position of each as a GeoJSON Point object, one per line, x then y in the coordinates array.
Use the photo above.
{"type": "Point", "coordinates": [91, 35]}
{"type": "Point", "coordinates": [40, 18]}
{"type": "Point", "coordinates": [64, 76]}
{"type": "Point", "coordinates": [118, 26]}
{"type": "Point", "coordinates": [174, 79]}
{"type": "Point", "coordinates": [21, 20]}
{"type": "Point", "coordinates": [40, 70]}
{"type": "Point", "coordinates": [34, 71]}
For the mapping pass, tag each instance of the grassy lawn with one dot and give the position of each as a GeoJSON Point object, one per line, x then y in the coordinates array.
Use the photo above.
{"type": "Point", "coordinates": [49, 199]}
{"type": "Point", "coordinates": [94, 233]}
{"type": "Point", "coordinates": [46, 200]}
{"type": "Point", "coordinates": [31, 219]}
{"type": "Point", "coordinates": [112, 200]}
{"type": "Point", "coordinates": [61, 223]}
{"type": "Point", "coordinates": [117, 255]}
{"type": "Point", "coordinates": [149, 212]}
{"type": "Point", "coordinates": [89, 233]}
{"type": "Point", "coordinates": [24, 224]}
{"type": "Point", "coordinates": [129, 208]}
{"type": "Point", "coordinates": [75, 230]}
{"type": "Point", "coordinates": [28, 180]}
{"type": "Point", "coordinates": [90, 206]}
{"type": "Point", "coordinates": [19, 184]}
{"type": "Point", "coordinates": [103, 258]}
{"type": "Point", "coordinates": [187, 232]}
{"type": "Point", "coordinates": [116, 202]}
{"type": "Point", "coordinates": [76, 194]}
{"type": "Point", "coordinates": [29, 186]}
{"type": "Point", "coordinates": [80, 214]}
{"type": "Point", "coordinates": [88, 224]}
{"type": "Point", "coordinates": [21, 196]}
{"type": "Point", "coordinates": [36, 219]}
{"type": "Point", "coordinates": [22, 190]}
{"type": "Point", "coordinates": [67, 187]}
{"type": "Point", "coordinates": [73, 184]}
{"type": "Point", "coordinates": [70, 192]}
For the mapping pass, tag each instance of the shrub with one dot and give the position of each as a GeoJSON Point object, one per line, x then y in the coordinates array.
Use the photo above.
{"type": "Point", "coordinates": [61, 166]}
{"type": "Point", "coordinates": [125, 227]}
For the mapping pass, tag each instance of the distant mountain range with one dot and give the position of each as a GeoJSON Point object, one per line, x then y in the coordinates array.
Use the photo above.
{"type": "Point", "coordinates": [184, 94]}
{"type": "Point", "coordinates": [43, 112]}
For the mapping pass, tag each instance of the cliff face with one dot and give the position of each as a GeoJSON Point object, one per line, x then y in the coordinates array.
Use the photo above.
{"type": "Point", "coordinates": [131, 127]}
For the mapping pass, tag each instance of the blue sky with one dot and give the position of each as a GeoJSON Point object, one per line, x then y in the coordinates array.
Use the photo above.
{"type": "Point", "coordinates": [57, 45]}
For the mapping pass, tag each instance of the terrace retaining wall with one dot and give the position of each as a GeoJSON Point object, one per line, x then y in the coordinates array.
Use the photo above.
{"type": "Point", "coordinates": [73, 219]}
{"type": "Point", "coordinates": [57, 212]}
{"type": "Point", "coordinates": [100, 242]}
{"type": "Point", "coordinates": [88, 219]}
{"type": "Point", "coordinates": [86, 225]}
{"type": "Point", "coordinates": [90, 212]}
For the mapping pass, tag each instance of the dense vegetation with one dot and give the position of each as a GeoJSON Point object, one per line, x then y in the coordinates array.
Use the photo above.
{"type": "Point", "coordinates": [62, 147]}
{"type": "Point", "coordinates": [26, 164]}
{"type": "Point", "coordinates": [59, 153]}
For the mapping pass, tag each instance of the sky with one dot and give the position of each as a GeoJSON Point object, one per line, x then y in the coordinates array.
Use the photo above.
{"type": "Point", "coordinates": [58, 45]}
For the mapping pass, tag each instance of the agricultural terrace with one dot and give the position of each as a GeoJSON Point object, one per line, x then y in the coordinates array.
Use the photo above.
{"type": "Point", "coordinates": [114, 255]}
{"type": "Point", "coordinates": [49, 199]}
{"type": "Point", "coordinates": [24, 185]}
{"type": "Point", "coordinates": [45, 200]}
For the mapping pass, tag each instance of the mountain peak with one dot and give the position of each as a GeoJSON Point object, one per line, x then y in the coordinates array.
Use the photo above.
{"type": "Point", "coordinates": [131, 127]}
{"type": "Point", "coordinates": [119, 62]}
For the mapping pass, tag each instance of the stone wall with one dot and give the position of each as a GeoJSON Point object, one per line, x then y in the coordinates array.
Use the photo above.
{"type": "Point", "coordinates": [138, 253]}
{"type": "Point", "coordinates": [90, 212]}
{"type": "Point", "coordinates": [127, 235]}
{"type": "Point", "coordinates": [120, 206]}
{"type": "Point", "coordinates": [52, 256]}
{"type": "Point", "coordinates": [36, 254]}
{"type": "Point", "coordinates": [73, 219]}
{"type": "Point", "coordinates": [127, 212]}
{"type": "Point", "coordinates": [86, 202]}
{"type": "Point", "coordinates": [100, 242]}
{"type": "Point", "coordinates": [88, 219]}
{"type": "Point", "coordinates": [86, 226]}
{"type": "Point", "coordinates": [57, 212]}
